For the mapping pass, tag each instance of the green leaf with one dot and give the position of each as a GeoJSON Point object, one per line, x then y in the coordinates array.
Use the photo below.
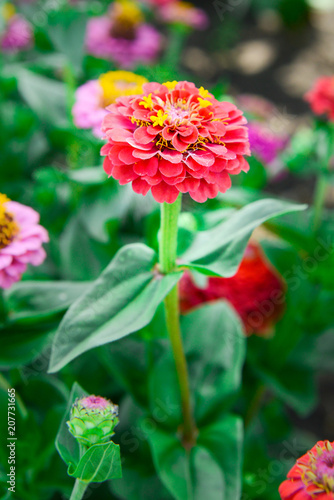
{"type": "Point", "coordinates": [21, 345]}
{"type": "Point", "coordinates": [40, 299]}
{"type": "Point", "coordinates": [140, 482]}
{"type": "Point", "coordinates": [294, 386]}
{"type": "Point", "coordinates": [121, 301]}
{"type": "Point", "coordinates": [67, 446]}
{"type": "Point", "coordinates": [190, 475]}
{"type": "Point", "coordinates": [224, 440]}
{"type": "Point", "coordinates": [101, 462]}
{"type": "Point", "coordinates": [67, 32]}
{"type": "Point", "coordinates": [215, 346]}
{"type": "Point", "coordinates": [81, 257]}
{"type": "Point", "coordinates": [46, 97]}
{"type": "Point", "coordinates": [219, 251]}
{"type": "Point", "coordinates": [88, 176]}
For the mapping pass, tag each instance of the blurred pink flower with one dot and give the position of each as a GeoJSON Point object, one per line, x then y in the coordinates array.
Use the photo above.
{"type": "Point", "coordinates": [259, 107]}
{"type": "Point", "coordinates": [184, 13]}
{"type": "Point", "coordinates": [123, 37]}
{"type": "Point", "coordinates": [88, 111]}
{"type": "Point", "coordinates": [93, 97]}
{"type": "Point", "coordinates": [255, 283]}
{"type": "Point", "coordinates": [21, 239]}
{"type": "Point", "coordinates": [17, 34]}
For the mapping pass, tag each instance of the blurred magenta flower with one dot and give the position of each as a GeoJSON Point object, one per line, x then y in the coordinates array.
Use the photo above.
{"type": "Point", "coordinates": [93, 97]}
{"type": "Point", "coordinates": [21, 239]}
{"type": "Point", "coordinates": [93, 420]}
{"type": "Point", "coordinates": [185, 13]}
{"type": "Point", "coordinates": [256, 292]}
{"type": "Point", "coordinates": [175, 138]}
{"type": "Point", "coordinates": [123, 36]}
{"type": "Point", "coordinates": [312, 477]}
{"type": "Point", "coordinates": [265, 144]}
{"type": "Point", "coordinates": [17, 34]}
{"type": "Point", "coordinates": [321, 97]}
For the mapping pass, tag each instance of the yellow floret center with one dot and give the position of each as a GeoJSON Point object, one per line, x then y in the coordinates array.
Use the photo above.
{"type": "Point", "coordinates": [8, 226]}
{"type": "Point", "coordinates": [8, 11]}
{"type": "Point", "coordinates": [127, 13]}
{"type": "Point", "coordinates": [116, 84]}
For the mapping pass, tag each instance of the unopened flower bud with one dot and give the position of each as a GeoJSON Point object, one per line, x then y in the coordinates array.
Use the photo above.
{"type": "Point", "coordinates": [93, 420]}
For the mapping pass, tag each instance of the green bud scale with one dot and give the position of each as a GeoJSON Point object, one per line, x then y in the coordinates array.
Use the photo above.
{"type": "Point", "coordinates": [93, 420]}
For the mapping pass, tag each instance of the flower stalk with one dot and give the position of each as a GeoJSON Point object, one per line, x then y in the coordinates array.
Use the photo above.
{"type": "Point", "coordinates": [167, 261]}
{"type": "Point", "coordinates": [79, 490]}
{"type": "Point", "coordinates": [319, 200]}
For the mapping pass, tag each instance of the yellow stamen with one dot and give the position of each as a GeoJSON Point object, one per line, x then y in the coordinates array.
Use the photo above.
{"type": "Point", "coordinates": [204, 103]}
{"type": "Point", "coordinates": [147, 102]}
{"type": "Point", "coordinates": [116, 84]}
{"type": "Point", "coordinates": [203, 92]}
{"type": "Point", "coordinates": [170, 85]}
{"type": "Point", "coordinates": [159, 119]}
{"type": "Point", "coordinates": [8, 227]}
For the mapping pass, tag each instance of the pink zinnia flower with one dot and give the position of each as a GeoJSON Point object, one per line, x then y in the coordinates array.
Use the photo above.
{"type": "Point", "coordinates": [321, 97]}
{"type": "Point", "coordinates": [96, 403]}
{"type": "Point", "coordinates": [123, 37]}
{"type": "Point", "coordinates": [312, 477]}
{"type": "Point", "coordinates": [93, 97]}
{"type": "Point", "coordinates": [184, 13]}
{"type": "Point", "coordinates": [21, 239]}
{"type": "Point", "coordinates": [256, 292]}
{"type": "Point", "coordinates": [17, 34]}
{"type": "Point", "coordinates": [175, 138]}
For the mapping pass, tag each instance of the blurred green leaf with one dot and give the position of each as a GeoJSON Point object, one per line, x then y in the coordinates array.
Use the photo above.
{"type": "Point", "coordinates": [29, 300]}
{"type": "Point", "coordinates": [215, 345]}
{"type": "Point", "coordinates": [46, 97]}
{"type": "Point", "coordinates": [67, 32]}
{"type": "Point", "coordinates": [191, 475]}
{"type": "Point", "coordinates": [21, 345]}
{"type": "Point", "coordinates": [224, 441]}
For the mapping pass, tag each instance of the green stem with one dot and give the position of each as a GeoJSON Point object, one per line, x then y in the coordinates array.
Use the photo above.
{"type": "Point", "coordinates": [255, 405]}
{"type": "Point", "coordinates": [3, 309]}
{"type": "Point", "coordinates": [176, 40]}
{"type": "Point", "coordinates": [167, 260]}
{"type": "Point", "coordinates": [78, 490]}
{"type": "Point", "coordinates": [319, 200]}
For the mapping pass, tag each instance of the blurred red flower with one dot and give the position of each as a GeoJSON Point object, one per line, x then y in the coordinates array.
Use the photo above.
{"type": "Point", "coordinates": [321, 97]}
{"type": "Point", "coordinates": [256, 292]}
{"type": "Point", "coordinates": [312, 477]}
{"type": "Point", "coordinates": [175, 138]}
